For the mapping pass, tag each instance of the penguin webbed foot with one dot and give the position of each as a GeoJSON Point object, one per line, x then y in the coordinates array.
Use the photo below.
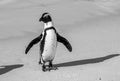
{"type": "Point", "coordinates": [48, 67]}
{"type": "Point", "coordinates": [52, 68]}
{"type": "Point", "coordinates": [44, 68]}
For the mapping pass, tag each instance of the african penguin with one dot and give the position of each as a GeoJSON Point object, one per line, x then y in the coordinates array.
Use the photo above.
{"type": "Point", "coordinates": [48, 42]}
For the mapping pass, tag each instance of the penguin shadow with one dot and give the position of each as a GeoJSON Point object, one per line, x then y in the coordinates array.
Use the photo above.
{"type": "Point", "coordinates": [7, 68]}
{"type": "Point", "coordinates": [86, 61]}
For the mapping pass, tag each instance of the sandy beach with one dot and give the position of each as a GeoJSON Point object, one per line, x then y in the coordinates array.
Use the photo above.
{"type": "Point", "coordinates": [91, 26]}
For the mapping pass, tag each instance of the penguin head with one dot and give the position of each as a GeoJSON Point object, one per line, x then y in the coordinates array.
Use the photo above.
{"type": "Point", "coordinates": [45, 17]}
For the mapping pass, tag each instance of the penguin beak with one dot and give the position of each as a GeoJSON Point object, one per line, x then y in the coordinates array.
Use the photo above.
{"type": "Point", "coordinates": [40, 19]}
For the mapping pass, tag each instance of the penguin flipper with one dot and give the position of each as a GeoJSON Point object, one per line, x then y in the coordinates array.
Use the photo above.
{"type": "Point", "coordinates": [65, 42]}
{"type": "Point", "coordinates": [34, 41]}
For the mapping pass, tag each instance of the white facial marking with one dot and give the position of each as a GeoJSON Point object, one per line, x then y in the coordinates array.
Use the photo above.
{"type": "Point", "coordinates": [46, 15]}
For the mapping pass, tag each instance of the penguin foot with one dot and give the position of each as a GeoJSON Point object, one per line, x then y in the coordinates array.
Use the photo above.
{"type": "Point", "coordinates": [52, 68]}
{"type": "Point", "coordinates": [49, 69]}
{"type": "Point", "coordinates": [44, 69]}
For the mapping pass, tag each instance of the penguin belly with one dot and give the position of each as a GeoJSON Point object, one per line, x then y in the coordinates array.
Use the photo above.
{"type": "Point", "coordinates": [49, 46]}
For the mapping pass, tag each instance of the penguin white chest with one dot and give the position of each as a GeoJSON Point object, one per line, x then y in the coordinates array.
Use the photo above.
{"type": "Point", "coordinates": [50, 45]}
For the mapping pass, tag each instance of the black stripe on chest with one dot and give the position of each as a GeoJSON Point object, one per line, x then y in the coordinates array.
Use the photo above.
{"type": "Point", "coordinates": [44, 37]}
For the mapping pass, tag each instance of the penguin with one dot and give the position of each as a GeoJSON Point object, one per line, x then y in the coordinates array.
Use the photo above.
{"type": "Point", "coordinates": [48, 39]}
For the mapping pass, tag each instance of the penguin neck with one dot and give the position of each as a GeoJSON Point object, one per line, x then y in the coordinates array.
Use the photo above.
{"type": "Point", "coordinates": [48, 25]}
